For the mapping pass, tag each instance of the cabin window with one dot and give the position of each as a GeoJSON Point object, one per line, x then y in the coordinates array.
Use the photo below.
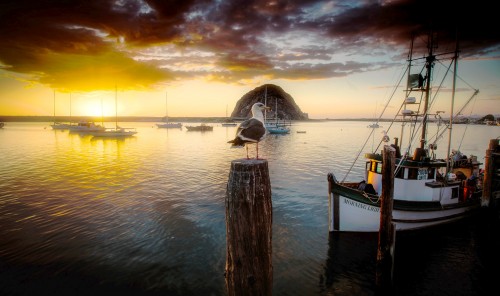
{"type": "Point", "coordinates": [376, 167]}
{"type": "Point", "coordinates": [422, 174]}
{"type": "Point", "coordinates": [454, 192]}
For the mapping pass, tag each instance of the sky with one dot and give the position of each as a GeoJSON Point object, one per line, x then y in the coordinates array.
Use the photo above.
{"type": "Point", "coordinates": [197, 58]}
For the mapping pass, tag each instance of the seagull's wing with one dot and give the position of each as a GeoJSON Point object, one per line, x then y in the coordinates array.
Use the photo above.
{"type": "Point", "coordinates": [251, 130]}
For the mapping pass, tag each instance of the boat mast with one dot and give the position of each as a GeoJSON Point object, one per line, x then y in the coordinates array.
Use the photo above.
{"type": "Point", "coordinates": [265, 103]}
{"type": "Point", "coordinates": [70, 107]}
{"type": "Point", "coordinates": [102, 114]}
{"type": "Point", "coordinates": [166, 106]}
{"type": "Point", "coordinates": [408, 87]}
{"type": "Point", "coordinates": [455, 59]}
{"type": "Point", "coordinates": [116, 107]}
{"type": "Point", "coordinates": [429, 64]}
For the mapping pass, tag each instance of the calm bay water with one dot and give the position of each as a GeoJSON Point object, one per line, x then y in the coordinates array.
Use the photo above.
{"type": "Point", "coordinates": [145, 215]}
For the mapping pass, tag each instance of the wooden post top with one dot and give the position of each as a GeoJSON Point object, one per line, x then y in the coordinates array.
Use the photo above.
{"type": "Point", "coordinates": [251, 161]}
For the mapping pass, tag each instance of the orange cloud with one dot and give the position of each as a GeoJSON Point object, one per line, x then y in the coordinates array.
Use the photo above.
{"type": "Point", "coordinates": [72, 72]}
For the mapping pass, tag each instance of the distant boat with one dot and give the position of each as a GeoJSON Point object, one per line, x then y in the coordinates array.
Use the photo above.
{"type": "Point", "coordinates": [116, 132]}
{"type": "Point", "coordinates": [60, 125]}
{"type": "Point", "coordinates": [228, 121]}
{"type": "Point", "coordinates": [201, 128]}
{"type": "Point", "coordinates": [86, 127]}
{"type": "Point", "coordinates": [276, 127]}
{"type": "Point", "coordinates": [374, 125]}
{"type": "Point", "coordinates": [166, 123]}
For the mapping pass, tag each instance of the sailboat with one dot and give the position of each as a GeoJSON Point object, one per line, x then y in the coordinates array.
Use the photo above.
{"type": "Point", "coordinates": [168, 124]}
{"type": "Point", "coordinates": [277, 128]}
{"type": "Point", "coordinates": [375, 124]}
{"type": "Point", "coordinates": [117, 131]}
{"type": "Point", "coordinates": [427, 191]}
{"type": "Point", "coordinates": [83, 127]}
{"type": "Point", "coordinates": [59, 125]}
{"type": "Point", "coordinates": [228, 121]}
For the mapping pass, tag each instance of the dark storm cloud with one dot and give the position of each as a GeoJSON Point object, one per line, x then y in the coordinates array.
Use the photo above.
{"type": "Point", "coordinates": [475, 24]}
{"type": "Point", "coordinates": [237, 33]}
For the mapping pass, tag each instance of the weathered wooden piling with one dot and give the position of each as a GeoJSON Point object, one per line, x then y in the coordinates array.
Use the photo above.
{"type": "Point", "coordinates": [249, 229]}
{"type": "Point", "coordinates": [386, 235]}
{"type": "Point", "coordinates": [488, 172]}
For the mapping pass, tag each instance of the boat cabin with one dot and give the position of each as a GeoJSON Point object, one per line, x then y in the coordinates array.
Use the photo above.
{"type": "Point", "coordinates": [419, 178]}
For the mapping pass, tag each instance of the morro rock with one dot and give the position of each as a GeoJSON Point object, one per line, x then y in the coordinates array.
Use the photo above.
{"type": "Point", "coordinates": [273, 96]}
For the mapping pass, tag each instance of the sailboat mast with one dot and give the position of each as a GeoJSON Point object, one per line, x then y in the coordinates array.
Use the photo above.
{"type": "Point", "coordinates": [276, 112]}
{"type": "Point", "coordinates": [116, 107]}
{"type": "Point", "coordinates": [265, 103]}
{"type": "Point", "coordinates": [429, 64]}
{"type": "Point", "coordinates": [54, 106]}
{"type": "Point", "coordinates": [102, 114]}
{"type": "Point", "coordinates": [70, 106]}
{"type": "Point", "coordinates": [166, 106]}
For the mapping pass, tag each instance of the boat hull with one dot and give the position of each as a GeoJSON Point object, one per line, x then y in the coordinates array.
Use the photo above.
{"type": "Point", "coordinates": [169, 125]}
{"type": "Point", "coordinates": [351, 210]}
{"type": "Point", "coordinates": [203, 128]}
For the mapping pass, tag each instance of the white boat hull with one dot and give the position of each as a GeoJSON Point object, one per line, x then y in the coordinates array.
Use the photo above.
{"type": "Point", "coordinates": [121, 132]}
{"type": "Point", "coordinates": [352, 216]}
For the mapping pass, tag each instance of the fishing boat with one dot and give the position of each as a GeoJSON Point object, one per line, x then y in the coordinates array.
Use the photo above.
{"type": "Point", "coordinates": [117, 131]}
{"type": "Point", "coordinates": [200, 128]}
{"type": "Point", "coordinates": [427, 191]}
{"type": "Point", "coordinates": [167, 123]}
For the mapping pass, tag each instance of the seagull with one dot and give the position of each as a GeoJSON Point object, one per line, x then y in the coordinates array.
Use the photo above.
{"type": "Point", "coordinates": [385, 138]}
{"type": "Point", "coordinates": [251, 130]}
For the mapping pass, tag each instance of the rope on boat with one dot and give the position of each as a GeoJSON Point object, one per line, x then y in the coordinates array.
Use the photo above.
{"type": "Point", "coordinates": [372, 130]}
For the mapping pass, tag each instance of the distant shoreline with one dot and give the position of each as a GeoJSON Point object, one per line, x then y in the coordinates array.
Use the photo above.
{"type": "Point", "coordinates": [153, 119]}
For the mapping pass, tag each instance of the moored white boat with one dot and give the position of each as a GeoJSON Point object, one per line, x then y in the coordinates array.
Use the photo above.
{"type": "Point", "coordinates": [167, 123]}
{"type": "Point", "coordinates": [427, 191]}
{"type": "Point", "coordinates": [114, 132]}
{"type": "Point", "coordinates": [117, 131]}
{"type": "Point", "coordinates": [274, 127]}
{"type": "Point", "coordinates": [277, 129]}
{"type": "Point", "coordinates": [85, 127]}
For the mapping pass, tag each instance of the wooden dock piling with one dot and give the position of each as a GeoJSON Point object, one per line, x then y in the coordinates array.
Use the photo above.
{"type": "Point", "coordinates": [249, 229]}
{"type": "Point", "coordinates": [386, 235]}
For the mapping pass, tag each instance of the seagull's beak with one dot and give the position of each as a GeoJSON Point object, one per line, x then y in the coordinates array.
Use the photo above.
{"type": "Point", "coordinates": [266, 108]}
